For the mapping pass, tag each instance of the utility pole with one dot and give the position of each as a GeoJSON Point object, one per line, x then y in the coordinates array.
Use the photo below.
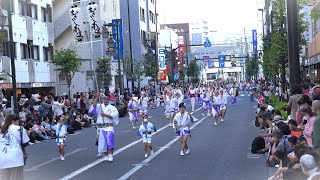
{"type": "Point", "coordinates": [293, 44]}
{"type": "Point", "coordinates": [130, 42]}
{"type": "Point", "coordinates": [246, 50]}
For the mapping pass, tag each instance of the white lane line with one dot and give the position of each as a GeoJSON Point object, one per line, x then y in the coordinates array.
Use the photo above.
{"type": "Point", "coordinates": [146, 161]}
{"type": "Point", "coordinates": [34, 168]}
{"type": "Point", "coordinates": [85, 168]}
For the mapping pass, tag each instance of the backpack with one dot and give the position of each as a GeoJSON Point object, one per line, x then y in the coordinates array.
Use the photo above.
{"type": "Point", "coordinates": [257, 145]}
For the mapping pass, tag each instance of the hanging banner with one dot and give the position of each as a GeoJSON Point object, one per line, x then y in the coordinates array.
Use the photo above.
{"type": "Point", "coordinates": [161, 58]}
{"type": "Point", "coordinates": [114, 32]}
{"type": "Point", "coordinates": [181, 50]}
{"type": "Point", "coordinates": [94, 19]}
{"type": "Point", "coordinates": [254, 42]}
{"type": "Point", "coordinates": [76, 17]}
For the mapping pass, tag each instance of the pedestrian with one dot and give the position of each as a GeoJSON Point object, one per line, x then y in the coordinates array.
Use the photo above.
{"type": "Point", "coordinates": [107, 117]}
{"type": "Point", "coordinates": [182, 120]}
{"type": "Point", "coordinates": [13, 140]}
{"type": "Point", "coordinates": [192, 95]}
{"type": "Point", "coordinates": [223, 104]}
{"type": "Point", "coordinates": [61, 133]}
{"type": "Point", "coordinates": [145, 132]}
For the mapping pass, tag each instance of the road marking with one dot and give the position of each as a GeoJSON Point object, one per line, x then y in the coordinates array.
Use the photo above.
{"type": "Point", "coordinates": [254, 156]}
{"type": "Point", "coordinates": [146, 161]}
{"type": "Point", "coordinates": [85, 168]}
{"type": "Point", "coordinates": [53, 159]}
{"type": "Point", "coordinates": [140, 164]}
{"type": "Point", "coordinates": [76, 133]}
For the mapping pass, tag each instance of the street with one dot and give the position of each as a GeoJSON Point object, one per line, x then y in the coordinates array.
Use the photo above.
{"type": "Point", "coordinates": [217, 152]}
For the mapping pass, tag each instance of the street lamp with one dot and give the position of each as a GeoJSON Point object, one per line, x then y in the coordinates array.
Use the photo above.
{"type": "Point", "coordinates": [3, 15]}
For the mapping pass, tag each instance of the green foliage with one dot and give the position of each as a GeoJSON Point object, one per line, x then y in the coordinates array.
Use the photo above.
{"type": "Point", "coordinates": [67, 62]}
{"type": "Point", "coordinates": [250, 69]}
{"type": "Point", "coordinates": [278, 105]}
{"type": "Point", "coordinates": [127, 62]}
{"type": "Point", "coordinates": [104, 70]}
{"type": "Point", "coordinates": [171, 79]}
{"type": "Point", "coordinates": [182, 74]}
{"type": "Point", "coordinates": [151, 67]}
{"type": "Point", "coordinates": [138, 71]}
{"type": "Point", "coordinates": [193, 70]}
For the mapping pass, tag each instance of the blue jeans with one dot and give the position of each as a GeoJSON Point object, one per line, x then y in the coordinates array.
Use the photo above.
{"type": "Point", "coordinates": [40, 135]}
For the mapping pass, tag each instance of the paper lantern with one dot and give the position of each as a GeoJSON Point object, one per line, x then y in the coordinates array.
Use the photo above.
{"type": "Point", "coordinates": [76, 17]}
{"type": "Point", "coordinates": [93, 12]}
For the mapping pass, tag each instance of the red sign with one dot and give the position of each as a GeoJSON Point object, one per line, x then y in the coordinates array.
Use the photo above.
{"type": "Point", "coordinates": [163, 75]}
{"type": "Point", "coordinates": [181, 50]}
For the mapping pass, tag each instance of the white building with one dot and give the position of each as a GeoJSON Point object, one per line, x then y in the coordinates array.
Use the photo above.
{"type": "Point", "coordinates": [199, 31]}
{"type": "Point", "coordinates": [64, 38]}
{"type": "Point", "coordinates": [168, 37]}
{"type": "Point", "coordinates": [33, 47]}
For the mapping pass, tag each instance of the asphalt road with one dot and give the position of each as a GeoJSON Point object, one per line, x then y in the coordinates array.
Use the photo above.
{"type": "Point", "coordinates": [217, 152]}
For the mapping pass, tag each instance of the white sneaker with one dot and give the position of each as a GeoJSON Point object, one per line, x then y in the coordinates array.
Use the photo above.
{"type": "Point", "coordinates": [62, 158]}
{"type": "Point", "coordinates": [145, 155]}
{"type": "Point", "coordinates": [187, 151]}
{"type": "Point", "coordinates": [203, 114]}
{"type": "Point", "coordinates": [170, 124]}
{"type": "Point", "coordinates": [100, 155]}
{"type": "Point", "coordinates": [222, 120]}
{"type": "Point", "coordinates": [215, 124]}
{"type": "Point", "coordinates": [110, 159]}
{"type": "Point", "coordinates": [209, 115]}
{"type": "Point", "coordinates": [181, 153]}
{"type": "Point", "coordinates": [30, 143]}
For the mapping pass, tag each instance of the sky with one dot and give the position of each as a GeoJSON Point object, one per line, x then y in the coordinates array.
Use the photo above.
{"type": "Point", "coordinates": [225, 16]}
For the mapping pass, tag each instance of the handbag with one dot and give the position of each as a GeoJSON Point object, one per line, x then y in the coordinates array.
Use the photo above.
{"type": "Point", "coordinates": [22, 147]}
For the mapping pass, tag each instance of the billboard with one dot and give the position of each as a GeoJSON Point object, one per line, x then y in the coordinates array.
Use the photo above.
{"type": "Point", "coordinates": [221, 61]}
{"type": "Point", "coordinates": [162, 58]}
{"type": "Point", "coordinates": [114, 32]}
{"type": "Point", "coordinates": [181, 49]}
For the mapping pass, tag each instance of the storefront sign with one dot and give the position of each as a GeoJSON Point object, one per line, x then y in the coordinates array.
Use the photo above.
{"type": "Point", "coordinates": [27, 85]}
{"type": "Point", "coordinates": [161, 58]}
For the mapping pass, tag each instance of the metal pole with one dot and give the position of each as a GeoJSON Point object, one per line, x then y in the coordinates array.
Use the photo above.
{"type": "Point", "coordinates": [156, 41]}
{"type": "Point", "coordinates": [130, 42]}
{"type": "Point", "coordinates": [92, 67]}
{"type": "Point", "coordinates": [13, 67]}
{"type": "Point", "coordinates": [187, 55]}
{"type": "Point", "coordinates": [293, 44]}
{"type": "Point", "coordinates": [119, 64]}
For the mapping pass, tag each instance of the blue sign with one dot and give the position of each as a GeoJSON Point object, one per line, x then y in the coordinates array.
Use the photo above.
{"type": "Point", "coordinates": [205, 58]}
{"type": "Point", "coordinates": [207, 43]}
{"type": "Point", "coordinates": [211, 64]}
{"type": "Point", "coordinates": [221, 61]}
{"type": "Point", "coordinates": [254, 42]}
{"type": "Point", "coordinates": [162, 58]}
{"type": "Point", "coordinates": [114, 32]}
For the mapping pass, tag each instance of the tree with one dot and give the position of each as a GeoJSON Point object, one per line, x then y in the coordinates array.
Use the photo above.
{"type": "Point", "coordinates": [67, 62]}
{"type": "Point", "coordinates": [104, 71]}
{"type": "Point", "coordinates": [182, 75]}
{"type": "Point", "coordinates": [193, 71]}
{"type": "Point", "coordinates": [151, 67]}
{"type": "Point", "coordinates": [138, 72]}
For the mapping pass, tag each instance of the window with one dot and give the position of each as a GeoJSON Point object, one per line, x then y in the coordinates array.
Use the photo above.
{"type": "Point", "coordinates": [47, 53]}
{"type": "Point", "coordinates": [34, 13]}
{"type": "Point", "coordinates": [49, 14]}
{"type": "Point", "coordinates": [142, 15]}
{"type": "Point", "coordinates": [152, 17]}
{"type": "Point", "coordinates": [44, 14]}
{"type": "Point", "coordinates": [63, 80]}
{"type": "Point", "coordinates": [143, 37]}
{"type": "Point", "coordinates": [24, 51]}
{"type": "Point", "coordinates": [35, 50]}
{"type": "Point", "coordinates": [152, 1]}
{"type": "Point", "coordinates": [22, 8]}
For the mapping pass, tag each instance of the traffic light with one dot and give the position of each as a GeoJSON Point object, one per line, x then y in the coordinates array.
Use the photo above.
{"type": "Point", "coordinates": [234, 63]}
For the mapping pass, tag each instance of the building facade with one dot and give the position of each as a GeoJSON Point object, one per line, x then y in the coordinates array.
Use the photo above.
{"type": "Point", "coordinates": [33, 47]}
{"type": "Point", "coordinates": [142, 30]}
{"type": "Point", "coordinates": [89, 49]}
{"type": "Point", "coordinates": [199, 32]}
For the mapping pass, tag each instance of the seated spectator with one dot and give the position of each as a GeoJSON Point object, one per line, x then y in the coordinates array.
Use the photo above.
{"type": "Point", "coordinates": [308, 127]}
{"type": "Point", "coordinates": [262, 116]}
{"type": "Point", "coordinates": [48, 127]}
{"type": "Point", "coordinates": [41, 132]}
{"type": "Point", "coordinates": [78, 123]}
{"type": "Point", "coordinates": [31, 133]}
{"type": "Point", "coordinates": [277, 116]}
{"type": "Point", "coordinates": [294, 129]}
{"type": "Point", "coordinates": [309, 167]}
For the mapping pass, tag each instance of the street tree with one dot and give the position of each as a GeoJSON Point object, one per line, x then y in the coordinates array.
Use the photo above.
{"type": "Point", "coordinates": [67, 63]}
{"type": "Point", "coordinates": [138, 72]}
{"type": "Point", "coordinates": [151, 67]}
{"type": "Point", "coordinates": [104, 72]}
{"type": "Point", "coordinates": [193, 71]}
{"type": "Point", "coordinates": [182, 75]}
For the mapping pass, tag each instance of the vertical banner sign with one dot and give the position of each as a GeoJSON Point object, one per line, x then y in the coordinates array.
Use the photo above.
{"type": "Point", "coordinates": [254, 42]}
{"type": "Point", "coordinates": [114, 32]}
{"type": "Point", "coordinates": [77, 20]}
{"type": "Point", "coordinates": [181, 49]}
{"type": "Point", "coordinates": [221, 61]}
{"type": "Point", "coordinates": [94, 19]}
{"type": "Point", "coordinates": [161, 58]}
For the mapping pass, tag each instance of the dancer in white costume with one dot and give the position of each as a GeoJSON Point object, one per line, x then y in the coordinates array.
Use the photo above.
{"type": "Point", "coordinates": [108, 116]}
{"type": "Point", "coordinates": [223, 106]}
{"type": "Point", "coordinates": [192, 94]}
{"type": "Point", "coordinates": [133, 108]}
{"type": "Point", "coordinates": [182, 120]}
{"type": "Point", "coordinates": [145, 132]}
{"type": "Point", "coordinates": [206, 102]}
{"type": "Point", "coordinates": [216, 101]}
{"type": "Point", "coordinates": [170, 105]}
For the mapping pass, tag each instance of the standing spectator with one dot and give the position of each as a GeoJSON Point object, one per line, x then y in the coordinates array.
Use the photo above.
{"type": "Point", "coordinates": [57, 107]}
{"type": "Point", "coordinates": [83, 103]}
{"type": "Point", "coordinates": [13, 140]}
{"type": "Point", "coordinates": [293, 101]}
{"type": "Point", "coordinates": [316, 126]}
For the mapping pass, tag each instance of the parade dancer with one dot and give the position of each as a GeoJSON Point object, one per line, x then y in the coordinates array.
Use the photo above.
{"type": "Point", "coordinates": [144, 104]}
{"type": "Point", "coordinates": [61, 133]}
{"type": "Point", "coordinates": [133, 108]}
{"type": "Point", "coordinates": [234, 94]}
{"type": "Point", "coordinates": [192, 95]}
{"type": "Point", "coordinates": [180, 96]}
{"type": "Point", "coordinates": [182, 119]}
{"type": "Point", "coordinates": [223, 105]}
{"type": "Point", "coordinates": [108, 116]}
{"type": "Point", "coordinates": [145, 132]}
{"type": "Point", "coordinates": [216, 101]}
{"type": "Point", "coordinates": [206, 103]}
{"type": "Point", "coordinates": [170, 105]}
